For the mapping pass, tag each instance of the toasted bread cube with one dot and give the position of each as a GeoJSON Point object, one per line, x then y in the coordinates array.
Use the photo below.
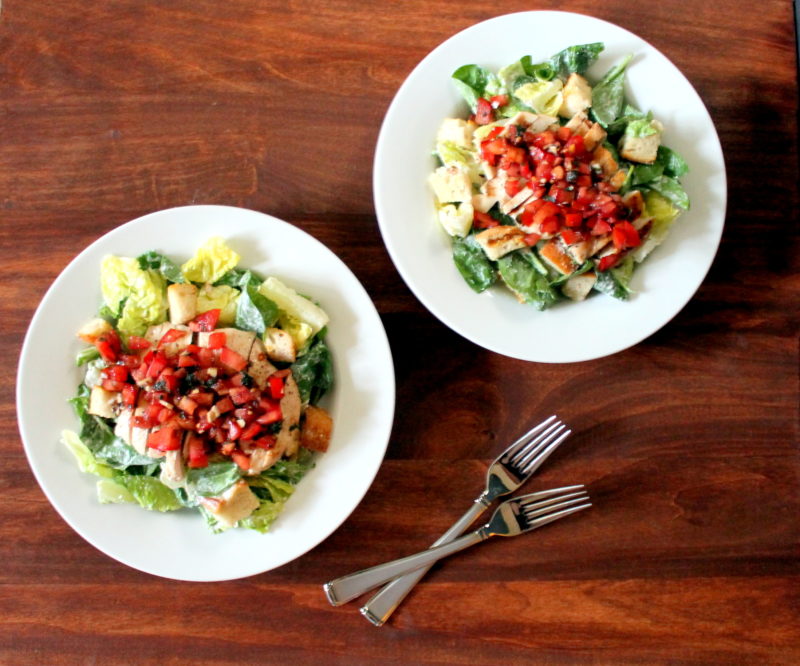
{"type": "Point", "coordinates": [236, 503]}
{"type": "Point", "coordinates": [642, 149]}
{"type": "Point", "coordinates": [315, 433]}
{"type": "Point", "coordinates": [577, 287]}
{"type": "Point", "coordinates": [93, 329]}
{"type": "Point", "coordinates": [103, 403]}
{"type": "Point", "coordinates": [182, 299]}
{"type": "Point", "coordinates": [577, 96]}
{"type": "Point", "coordinates": [279, 345]}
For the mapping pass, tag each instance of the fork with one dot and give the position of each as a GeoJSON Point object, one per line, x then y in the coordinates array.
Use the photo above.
{"type": "Point", "coordinates": [513, 517]}
{"type": "Point", "coordinates": [508, 472]}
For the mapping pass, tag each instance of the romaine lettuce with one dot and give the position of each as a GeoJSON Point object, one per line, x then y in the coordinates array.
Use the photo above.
{"type": "Point", "coordinates": [211, 261]}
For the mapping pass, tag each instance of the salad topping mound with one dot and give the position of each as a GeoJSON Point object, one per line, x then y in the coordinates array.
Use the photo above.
{"type": "Point", "coordinates": [553, 185]}
{"type": "Point", "coordinates": [201, 388]}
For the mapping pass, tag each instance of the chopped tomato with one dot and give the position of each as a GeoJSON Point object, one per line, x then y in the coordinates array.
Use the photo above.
{"type": "Point", "coordinates": [135, 343]}
{"type": "Point", "coordinates": [265, 442]}
{"type": "Point", "coordinates": [224, 405]}
{"type": "Point", "coordinates": [109, 346]}
{"type": "Point", "coordinates": [241, 459]}
{"type": "Point", "coordinates": [570, 237]}
{"type": "Point", "coordinates": [251, 431]}
{"type": "Point", "coordinates": [165, 439]}
{"type": "Point", "coordinates": [573, 219]}
{"type": "Point", "coordinates": [186, 404]}
{"type": "Point", "coordinates": [498, 100]}
{"type": "Point", "coordinates": [130, 392]}
{"type": "Point", "coordinates": [112, 385]}
{"type": "Point", "coordinates": [158, 363]}
{"type": "Point", "coordinates": [531, 239]}
{"type": "Point", "coordinates": [197, 451]}
{"type": "Point", "coordinates": [171, 335]}
{"type": "Point", "coordinates": [272, 412]}
{"type": "Point", "coordinates": [116, 372]}
{"type": "Point", "coordinates": [205, 322]}
{"type": "Point", "coordinates": [232, 359]}
{"type": "Point", "coordinates": [609, 261]}
{"type": "Point", "coordinates": [187, 361]}
{"type": "Point", "coordinates": [240, 395]}
{"type": "Point", "coordinates": [484, 113]}
{"type": "Point", "coordinates": [217, 340]}
{"type": "Point", "coordinates": [276, 387]}
{"type": "Point", "coordinates": [563, 133]}
{"type": "Point", "coordinates": [483, 220]}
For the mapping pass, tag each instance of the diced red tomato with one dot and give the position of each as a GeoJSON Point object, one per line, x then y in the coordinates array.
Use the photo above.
{"type": "Point", "coordinates": [116, 372]}
{"type": "Point", "coordinates": [543, 139]}
{"type": "Point", "coordinates": [205, 322]}
{"type": "Point", "coordinates": [135, 343]}
{"type": "Point", "coordinates": [276, 387]}
{"type": "Point", "coordinates": [130, 392]}
{"type": "Point", "coordinates": [232, 359]}
{"type": "Point", "coordinates": [563, 134]}
{"type": "Point", "coordinates": [158, 363]}
{"type": "Point", "coordinates": [265, 442]}
{"type": "Point", "coordinates": [224, 405]}
{"type": "Point", "coordinates": [186, 404]}
{"type": "Point", "coordinates": [197, 451]}
{"type": "Point", "coordinates": [513, 186]}
{"type": "Point", "coordinates": [531, 239]}
{"type": "Point", "coordinates": [573, 219]}
{"type": "Point", "coordinates": [609, 261]}
{"type": "Point", "coordinates": [109, 346]}
{"type": "Point", "coordinates": [240, 395]}
{"type": "Point", "coordinates": [251, 431]}
{"type": "Point", "coordinates": [483, 220]}
{"type": "Point", "coordinates": [187, 361]}
{"type": "Point", "coordinates": [272, 412]}
{"type": "Point", "coordinates": [170, 336]}
{"type": "Point", "coordinates": [112, 385]}
{"type": "Point", "coordinates": [217, 340]}
{"type": "Point", "coordinates": [570, 237]}
{"type": "Point", "coordinates": [498, 100]}
{"type": "Point", "coordinates": [165, 439]}
{"type": "Point", "coordinates": [234, 429]}
{"type": "Point", "coordinates": [625, 235]}
{"type": "Point", "coordinates": [241, 459]}
{"type": "Point", "coordinates": [484, 113]}
{"type": "Point", "coordinates": [206, 357]}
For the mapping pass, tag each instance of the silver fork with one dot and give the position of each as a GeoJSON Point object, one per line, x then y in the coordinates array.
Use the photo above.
{"type": "Point", "coordinates": [515, 516]}
{"type": "Point", "coordinates": [509, 471]}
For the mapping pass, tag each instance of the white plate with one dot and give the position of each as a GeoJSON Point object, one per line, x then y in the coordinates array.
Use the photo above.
{"type": "Point", "coordinates": [420, 249]}
{"type": "Point", "coordinates": [178, 545]}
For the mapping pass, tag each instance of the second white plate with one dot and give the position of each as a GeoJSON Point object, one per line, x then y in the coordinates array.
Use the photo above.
{"type": "Point", "coordinates": [599, 326]}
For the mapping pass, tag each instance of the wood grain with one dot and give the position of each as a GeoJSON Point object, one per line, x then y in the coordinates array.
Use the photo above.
{"type": "Point", "coordinates": [688, 442]}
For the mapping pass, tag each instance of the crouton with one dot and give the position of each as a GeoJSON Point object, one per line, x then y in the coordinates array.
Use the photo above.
{"type": "Point", "coordinates": [315, 433]}
{"type": "Point", "coordinates": [577, 96]}
{"type": "Point", "coordinates": [182, 299]}
{"type": "Point", "coordinates": [279, 345]}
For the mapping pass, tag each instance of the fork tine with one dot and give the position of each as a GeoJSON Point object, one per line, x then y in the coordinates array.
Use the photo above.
{"type": "Point", "coordinates": [522, 447]}
{"type": "Point", "coordinates": [553, 506]}
{"type": "Point", "coordinates": [531, 462]}
{"type": "Point", "coordinates": [549, 518]}
{"type": "Point", "coordinates": [522, 441]}
{"type": "Point", "coordinates": [529, 506]}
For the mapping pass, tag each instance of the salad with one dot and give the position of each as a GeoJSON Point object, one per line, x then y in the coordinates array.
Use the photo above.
{"type": "Point", "coordinates": [201, 388]}
{"type": "Point", "coordinates": [554, 185]}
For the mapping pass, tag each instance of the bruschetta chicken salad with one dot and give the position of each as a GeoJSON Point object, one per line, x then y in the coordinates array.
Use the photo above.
{"type": "Point", "coordinates": [201, 388]}
{"type": "Point", "coordinates": [555, 186]}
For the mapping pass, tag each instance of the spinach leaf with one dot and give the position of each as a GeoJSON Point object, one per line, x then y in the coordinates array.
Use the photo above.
{"type": "Point", "coordinates": [291, 470]}
{"type": "Point", "coordinates": [542, 71]}
{"type": "Point", "coordinates": [472, 82]}
{"type": "Point", "coordinates": [86, 355]}
{"type": "Point", "coordinates": [214, 479]}
{"type": "Point", "coordinates": [645, 173]}
{"type": "Point", "coordinates": [158, 262]}
{"type": "Point", "coordinates": [496, 214]}
{"type": "Point", "coordinates": [525, 281]}
{"type": "Point", "coordinates": [671, 189]}
{"type": "Point", "coordinates": [575, 59]}
{"type": "Point", "coordinates": [313, 372]}
{"type": "Point", "coordinates": [614, 282]}
{"type": "Point", "coordinates": [674, 165]}
{"type": "Point", "coordinates": [238, 277]}
{"type": "Point", "coordinates": [629, 114]}
{"type": "Point", "coordinates": [608, 96]}
{"type": "Point", "coordinates": [472, 263]}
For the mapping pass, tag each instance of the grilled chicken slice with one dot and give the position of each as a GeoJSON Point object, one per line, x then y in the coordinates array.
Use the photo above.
{"type": "Point", "coordinates": [499, 241]}
{"type": "Point", "coordinates": [288, 439]}
{"type": "Point", "coordinates": [280, 346]}
{"type": "Point", "coordinates": [238, 341]}
{"type": "Point", "coordinates": [259, 367]}
{"type": "Point", "coordinates": [155, 333]}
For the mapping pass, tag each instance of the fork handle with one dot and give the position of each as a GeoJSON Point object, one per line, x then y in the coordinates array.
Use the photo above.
{"type": "Point", "coordinates": [346, 588]}
{"type": "Point", "coordinates": [378, 609]}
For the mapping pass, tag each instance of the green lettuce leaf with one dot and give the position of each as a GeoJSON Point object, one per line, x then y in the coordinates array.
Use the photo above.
{"type": "Point", "coordinates": [86, 460]}
{"type": "Point", "coordinates": [214, 479]}
{"type": "Point", "coordinates": [149, 492]}
{"type": "Point", "coordinates": [222, 297]}
{"type": "Point", "coordinates": [212, 260]}
{"type": "Point", "coordinates": [526, 281]}
{"type": "Point", "coordinates": [158, 262]}
{"type": "Point", "coordinates": [313, 372]}
{"type": "Point", "coordinates": [136, 297]}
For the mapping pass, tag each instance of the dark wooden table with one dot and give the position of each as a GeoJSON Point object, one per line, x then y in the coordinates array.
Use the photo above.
{"type": "Point", "coordinates": [688, 441]}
